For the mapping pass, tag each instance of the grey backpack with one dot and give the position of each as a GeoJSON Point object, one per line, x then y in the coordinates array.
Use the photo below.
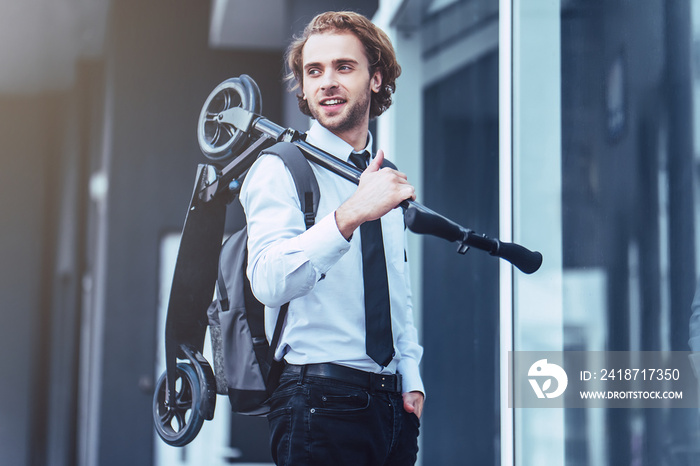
{"type": "Point", "coordinates": [244, 362]}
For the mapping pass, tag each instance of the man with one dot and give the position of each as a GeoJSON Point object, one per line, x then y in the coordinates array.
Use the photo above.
{"type": "Point", "coordinates": [340, 400]}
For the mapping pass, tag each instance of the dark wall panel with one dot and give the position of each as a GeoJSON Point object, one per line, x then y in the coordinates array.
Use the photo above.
{"type": "Point", "coordinates": [30, 156]}
{"type": "Point", "coordinates": [160, 70]}
{"type": "Point", "coordinates": [460, 297]}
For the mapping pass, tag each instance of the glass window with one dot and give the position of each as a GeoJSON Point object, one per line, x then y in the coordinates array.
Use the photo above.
{"type": "Point", "coordinates": [603, 174]}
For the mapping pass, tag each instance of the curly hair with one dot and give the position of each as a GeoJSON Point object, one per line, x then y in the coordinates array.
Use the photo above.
{"type": "Point", "coordinates": [380, 54]}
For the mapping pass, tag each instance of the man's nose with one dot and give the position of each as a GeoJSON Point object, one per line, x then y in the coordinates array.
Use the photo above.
{"type": "Point", "coordinates": [329, 80]}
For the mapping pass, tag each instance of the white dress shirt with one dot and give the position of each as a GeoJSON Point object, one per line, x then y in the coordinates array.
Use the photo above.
{"type": "Point", "coordinates": [319, 272]}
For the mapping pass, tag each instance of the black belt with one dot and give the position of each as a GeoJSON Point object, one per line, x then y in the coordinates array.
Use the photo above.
{"type": "Point", "coordinates": [366, 380]}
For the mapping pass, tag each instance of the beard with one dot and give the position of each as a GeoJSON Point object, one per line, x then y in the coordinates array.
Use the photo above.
{"type": "Point", "coordinates": [352, 116]}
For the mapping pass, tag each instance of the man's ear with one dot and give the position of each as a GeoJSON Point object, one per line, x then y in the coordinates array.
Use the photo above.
{"type": "Point", "coordinates": [376, 81]}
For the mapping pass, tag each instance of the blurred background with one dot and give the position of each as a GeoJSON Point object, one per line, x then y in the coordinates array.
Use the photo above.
{"type": "Point", "coordinates": [565, 125]}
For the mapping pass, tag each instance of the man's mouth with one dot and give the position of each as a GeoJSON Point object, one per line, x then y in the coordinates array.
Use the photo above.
{"type": "Point", "coordinates": [330, 102]}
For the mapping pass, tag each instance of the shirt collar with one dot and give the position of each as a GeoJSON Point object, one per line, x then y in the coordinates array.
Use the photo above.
{"type": "Point", "coordinates": [324, 139]}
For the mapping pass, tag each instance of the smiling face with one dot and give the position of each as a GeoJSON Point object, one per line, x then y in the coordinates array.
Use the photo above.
{"type": "Point", "coordinates": [338, 86]}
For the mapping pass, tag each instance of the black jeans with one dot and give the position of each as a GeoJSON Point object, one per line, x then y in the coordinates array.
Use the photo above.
{"type": "Point", "coordinates": [324, 422]}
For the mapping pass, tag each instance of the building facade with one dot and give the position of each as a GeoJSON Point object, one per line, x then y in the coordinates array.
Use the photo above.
{"type": "Point", "coordinates": [567, 126]}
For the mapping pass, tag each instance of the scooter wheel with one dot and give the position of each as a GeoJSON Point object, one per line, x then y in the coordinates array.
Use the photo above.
{"type": "Point", "coordinates": [178, 425]}
{"type": "Point", "coordinates": [219, 141]}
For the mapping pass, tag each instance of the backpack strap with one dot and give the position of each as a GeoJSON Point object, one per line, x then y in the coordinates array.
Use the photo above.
{"type": "Point", "coordinates": [309, 196]}
{"type": "Point", "coordinates": [303, 176]}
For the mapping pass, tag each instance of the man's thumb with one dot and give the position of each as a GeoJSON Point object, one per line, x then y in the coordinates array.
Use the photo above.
{"type": "Point", "coordinates": [377, 161]}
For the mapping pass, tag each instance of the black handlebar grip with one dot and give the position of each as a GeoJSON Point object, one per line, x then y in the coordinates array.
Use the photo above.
{"type": "Point", "coordinates": [521, 257]}
{"type": "Point", "coordinates": [428, 222]}
{"type": "Point", "coordinates": [422, 220]}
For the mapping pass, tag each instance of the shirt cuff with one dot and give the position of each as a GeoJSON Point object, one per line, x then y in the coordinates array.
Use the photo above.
{"type": "Point", "coordinates": [410, 376]}
{"type": "Point", "coordinates": [323, 243]}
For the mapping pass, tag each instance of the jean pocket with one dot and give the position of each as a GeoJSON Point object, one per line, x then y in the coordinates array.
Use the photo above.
{"type": "Point", "coordinates": [338, 400]}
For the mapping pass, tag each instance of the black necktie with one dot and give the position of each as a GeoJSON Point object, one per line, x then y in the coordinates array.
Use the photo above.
{"type": "Point", "coordinates": [378, 340]}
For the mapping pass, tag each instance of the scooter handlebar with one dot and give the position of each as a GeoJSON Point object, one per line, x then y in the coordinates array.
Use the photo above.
{"type": "Point", "coordinates": [422, 220]}
{"type": "Point", "coordinates": [521, 257]}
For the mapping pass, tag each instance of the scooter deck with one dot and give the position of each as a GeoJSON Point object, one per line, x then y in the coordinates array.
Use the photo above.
{"type": "Point", "coordinates": [196, 270]}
